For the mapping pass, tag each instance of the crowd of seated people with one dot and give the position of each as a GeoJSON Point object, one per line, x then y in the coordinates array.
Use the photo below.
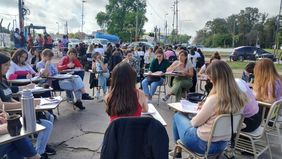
{"type": "Point", "coordinates": [22, 148]}
{"type": "Point", "coordinates": [117, 72]}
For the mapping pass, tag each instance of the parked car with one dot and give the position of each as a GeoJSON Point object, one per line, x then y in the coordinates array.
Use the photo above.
{"type": "Point", "coordinates": [101, 41]}
{"type": "Point", "coordinates": [73, 43]}
{"type": "Point", "coordinates": [141, 44]}
{"type": "Point", "coordinates": [250, 53]}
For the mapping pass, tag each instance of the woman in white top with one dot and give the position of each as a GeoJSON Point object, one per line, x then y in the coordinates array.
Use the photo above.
{"type": "Point", "coordinates": [148, 57]}
{"type": "Point", "coordinates": [19, 68]}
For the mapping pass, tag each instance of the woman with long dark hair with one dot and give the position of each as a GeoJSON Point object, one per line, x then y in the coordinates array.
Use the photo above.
{"type": "Point", "coordinates": [184, 67]}
{"type": "Point", "coordinates": [19, 67]}
{"type": "Point", "coordinates": [124, 99]}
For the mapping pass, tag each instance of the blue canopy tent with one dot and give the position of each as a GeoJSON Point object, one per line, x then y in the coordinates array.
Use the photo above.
{"type": "Point", "coordinates": [111, 38]}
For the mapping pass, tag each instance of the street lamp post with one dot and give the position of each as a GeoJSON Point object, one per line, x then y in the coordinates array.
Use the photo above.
{"type": "Point", "coordinates": [165, 27]}
{"type": "Point", "coordinates": [82, 14]}
{"type": "Point", "coordinates": [58, 27]}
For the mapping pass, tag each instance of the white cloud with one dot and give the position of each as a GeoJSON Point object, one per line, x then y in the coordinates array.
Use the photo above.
{"type": "Point", "coordinates": [48, 12]}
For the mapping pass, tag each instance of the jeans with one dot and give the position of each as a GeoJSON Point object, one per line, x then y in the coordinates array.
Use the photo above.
{"type": "Point", "coordinates": [18, 149]}
{"type": "Point", "coordinates": [102, 82]}
{"type": "Point", "coordinates": [80, 74]}
{"type": "Point", "coordinates": [72, 85]}
{"type": "Point", "coordinates": [154, 86]}
{"type": "Point", "coordinates": [183, 130]}
{"type": "Point", "coordinates": [43, 136]}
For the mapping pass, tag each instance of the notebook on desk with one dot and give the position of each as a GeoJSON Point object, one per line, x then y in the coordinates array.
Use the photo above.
{"type": "Point", "coordinates": [185, 106]}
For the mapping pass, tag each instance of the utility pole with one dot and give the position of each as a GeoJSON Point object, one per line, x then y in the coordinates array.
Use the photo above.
{"type": "Point", "coordinates": [173, 20]}
{"type": "Point", "coordinates": [21, 18]}
{"type": "Point", "coordinates": [136, 25]}
{"type": "Point", "coordinates": [276, 38]}
{"type": "Point", "coordinates": [58, 27]}
{"type": "Point", "coordinates": [66, 28]}
{"type": "Point", "coordinates": [233, 37]}
{"type": "Point", "coordinates": [82, 14]}
{"type": "Point", "coordinates": [165, 27]}
{"type": "Point", "coordinates": [176, 17]}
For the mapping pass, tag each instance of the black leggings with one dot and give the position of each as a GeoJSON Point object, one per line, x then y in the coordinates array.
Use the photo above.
{"type": "Point", "coordinates": [253, 122]}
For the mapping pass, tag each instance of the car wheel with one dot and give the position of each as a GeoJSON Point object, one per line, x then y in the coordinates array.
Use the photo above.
{"type": "Point", "coordinates": [241, 58]}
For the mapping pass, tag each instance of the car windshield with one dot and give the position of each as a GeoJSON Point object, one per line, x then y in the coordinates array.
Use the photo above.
{"type": "Point", "coordinates": [104, 42]}
{"type": "Point", "coordinates": [74, 40]}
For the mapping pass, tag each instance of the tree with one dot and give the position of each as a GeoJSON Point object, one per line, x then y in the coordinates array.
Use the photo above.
{"type": "Point", "coordinates": [248, 27]}
{"type": "Point", "coordinates": [120, 18]}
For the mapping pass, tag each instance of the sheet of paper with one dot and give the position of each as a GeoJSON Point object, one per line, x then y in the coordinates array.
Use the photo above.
{"type": "Point", "coordinates": [156, 115]}
{"type": "Point", "coordinates": [46, 101]}
{"type": "Point", "coordinates": [150, 110]}
{"type": "Point", "coordinates": [185, 107]}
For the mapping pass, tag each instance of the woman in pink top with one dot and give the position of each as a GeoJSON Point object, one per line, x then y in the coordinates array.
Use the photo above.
{"type": "Point", "coordinates": [124, 99]}
{"type": "Point", "coordinates": [224, 98]}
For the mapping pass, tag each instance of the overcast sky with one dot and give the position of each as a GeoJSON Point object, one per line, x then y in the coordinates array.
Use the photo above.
{"type": "Point", "coordinates": [192, 13]}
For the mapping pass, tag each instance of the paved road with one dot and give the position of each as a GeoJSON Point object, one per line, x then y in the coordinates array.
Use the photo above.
{"type": "Point", "coordinates": [79, 134]}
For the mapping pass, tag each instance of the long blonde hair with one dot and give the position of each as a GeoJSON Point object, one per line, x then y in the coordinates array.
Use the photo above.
{"type": "Point", "coordinates": [90, 48]}
{"type": "Point", "coordinates": [230, 98]}
{"type": "Point", "coordinates": [265, 76]}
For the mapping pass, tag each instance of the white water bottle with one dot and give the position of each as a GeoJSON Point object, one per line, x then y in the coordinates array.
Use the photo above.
{"type": "Point", "coordinates": [28, 111]}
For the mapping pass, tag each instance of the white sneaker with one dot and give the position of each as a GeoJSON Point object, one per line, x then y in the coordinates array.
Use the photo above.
{"type": "Point", "coordinates": [97, 95]}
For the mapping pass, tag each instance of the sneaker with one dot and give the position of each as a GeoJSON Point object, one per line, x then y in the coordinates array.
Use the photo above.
{"type": "Point", "coordinates": [97, 95]}
{"type": "Point", "coordinates": [86, 96]}
{"type": "Point", "coordinates": [79, 105]}
{"type": "Point", "coordinates": [101, 100]}
{"type": "Point", "coordinates": [44, 156]}
{"type": "Point", "coordinates": [165, 98]}
{"type": "Point", "coordinates": [50, 151]}
{"type": "Point", "coordinates": [177, 154]}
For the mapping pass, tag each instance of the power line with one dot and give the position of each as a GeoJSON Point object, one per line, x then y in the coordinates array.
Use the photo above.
{"type": "Point", "coordinates": [154, 10]}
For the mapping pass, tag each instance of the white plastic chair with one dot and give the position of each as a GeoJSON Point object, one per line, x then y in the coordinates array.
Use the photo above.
{"type": "Point", "coordinates": [221, 127]}
{"type": "Point", "coordinates": [275, 122]}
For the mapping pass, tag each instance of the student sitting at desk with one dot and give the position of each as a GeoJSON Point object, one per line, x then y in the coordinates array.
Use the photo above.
{"type": "Point", "coordinates": [267, 84]}
{"type": "Point", "coordinates": [159, 64]}
{"type": "Point", "coordinates": [184, 81]}
{"type": "Point", "coordinates": [248, 73]}
{"type": "Point", "coordinates": [202, 71]}
{"type": "Point", "coordinates": [71, 62]}
{"type": "Point", "coordinates": [19, 68]}
{"type": "Point", "coordinates": [46, 68]}
{"type": "Point", "coordinates": [224, 98]}
{"type": "Point", "coordinates": [124, 99]}
{"type": "Point", "coordinates": [10, 103]}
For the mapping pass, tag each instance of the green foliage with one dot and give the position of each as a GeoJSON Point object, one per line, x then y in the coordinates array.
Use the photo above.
{"type": "Point", "coordinates": [77, 35]}
{"type": "Point", "coordinates": [248, 27]}
{"type": "Point", "coordinates": [120, 18]}
{"type": "Point", "coordinates": [182, 38]}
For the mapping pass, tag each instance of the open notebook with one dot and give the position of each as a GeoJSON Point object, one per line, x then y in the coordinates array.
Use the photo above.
{"type": "Point", "coordinates": [185, 106]}
{"type": "Point", "coordinates": [47, 101]}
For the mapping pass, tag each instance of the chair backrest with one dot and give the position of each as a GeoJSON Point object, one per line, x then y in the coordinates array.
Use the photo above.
{"type": "Point", "coordinates": [222, 127]}
{"type": "Point", "coordinates": [275, 114]}
{"type": "Point", "coordinates": [135, 137]}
